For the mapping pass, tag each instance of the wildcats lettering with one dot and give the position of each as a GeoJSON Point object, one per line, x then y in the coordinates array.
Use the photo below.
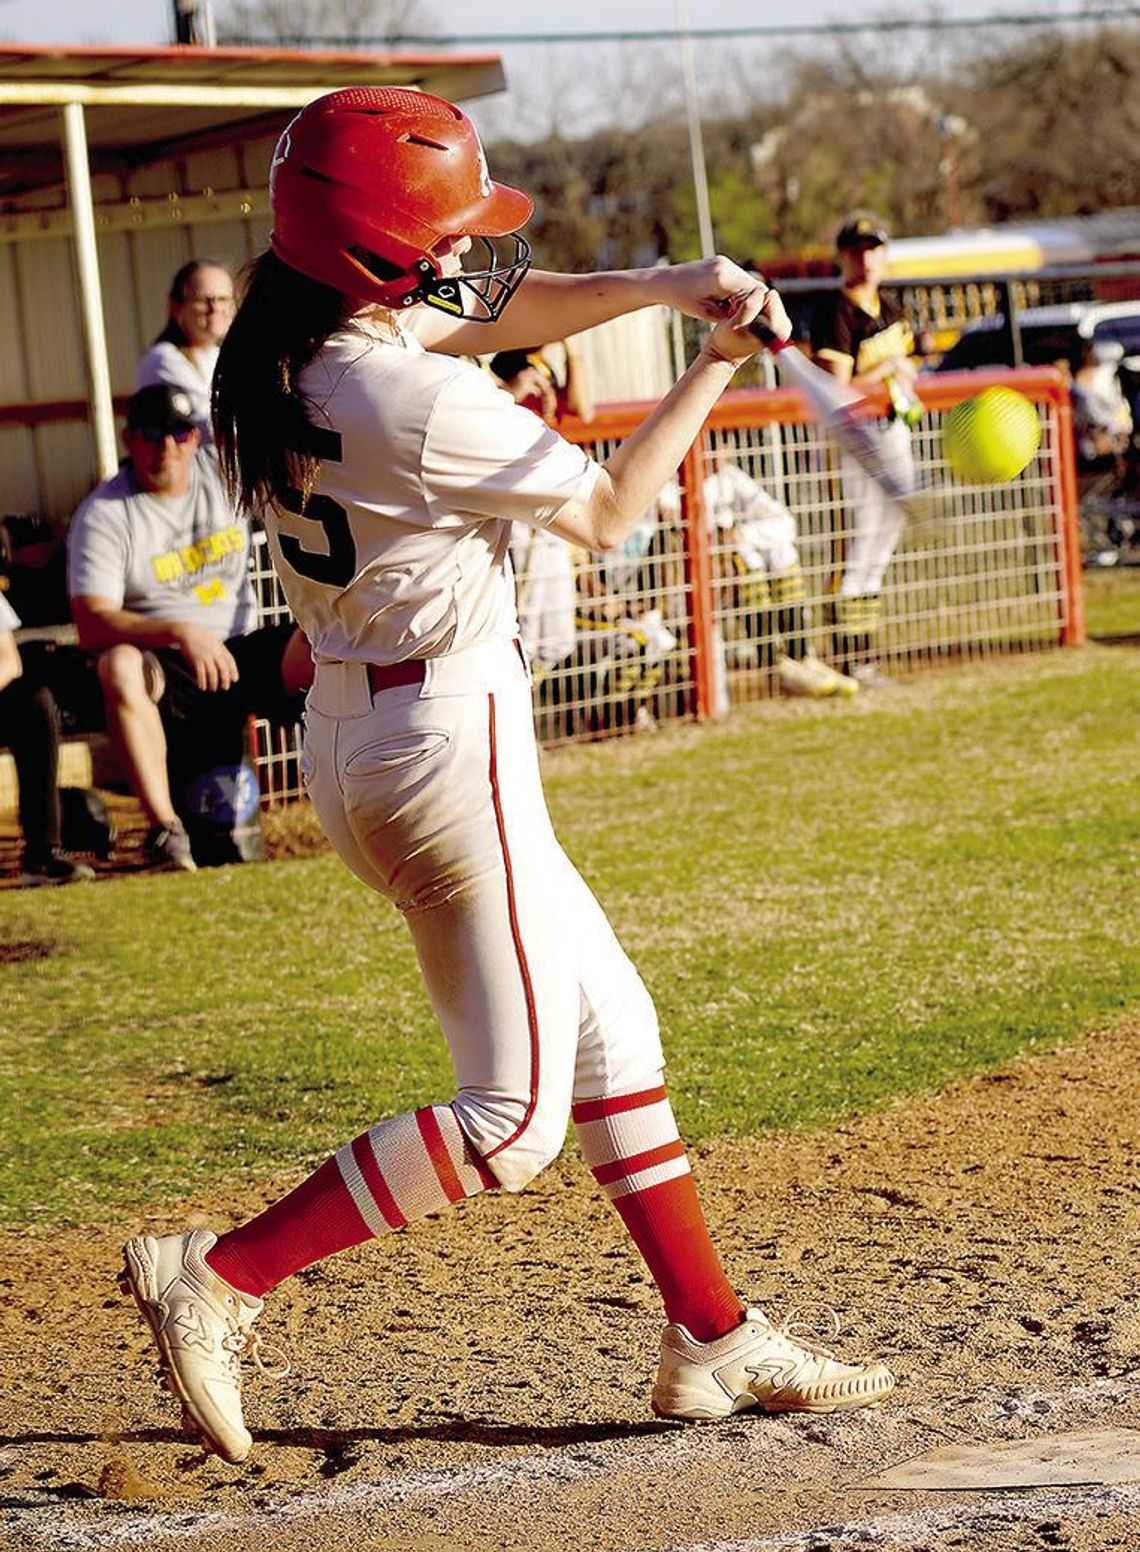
{"type": "Point", "coordinates": [192, 558]}
{"type": "Point", "coordinates": [897, 340]}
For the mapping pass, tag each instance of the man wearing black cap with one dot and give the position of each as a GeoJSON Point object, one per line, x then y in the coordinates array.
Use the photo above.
{"type": "Point", "coordinates": [158, 573]}
{"type": "Point", "coordinates": [858, 333]}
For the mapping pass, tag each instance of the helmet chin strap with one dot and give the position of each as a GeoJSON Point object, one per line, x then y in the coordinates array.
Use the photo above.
{"type": "Point", "coordinates": [478, 296]}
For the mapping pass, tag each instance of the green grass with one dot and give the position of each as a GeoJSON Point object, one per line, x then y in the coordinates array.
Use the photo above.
{"type": "Point", "coordinates": [1112, 601]}
{"type": "Point", "coordinates": [832, 905]}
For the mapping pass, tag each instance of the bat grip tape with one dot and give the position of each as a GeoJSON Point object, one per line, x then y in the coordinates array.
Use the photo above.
{"type": "Point", "coordinates": [764, 334]}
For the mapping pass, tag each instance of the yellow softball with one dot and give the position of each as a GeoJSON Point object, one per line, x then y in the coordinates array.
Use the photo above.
{"type": "Point", "coordinates": [992, 437]}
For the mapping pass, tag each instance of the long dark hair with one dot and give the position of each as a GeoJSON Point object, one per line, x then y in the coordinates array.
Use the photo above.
{"type": "Point", "coordinates": [260, 427]}
{"type": "Point", "coordinates": [174, 333]}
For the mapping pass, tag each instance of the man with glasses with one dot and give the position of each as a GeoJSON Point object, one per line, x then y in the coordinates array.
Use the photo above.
{"type": "Point", "coordinates": [158, 574]}
{"type": "Point", "coordinates": [201, 309]}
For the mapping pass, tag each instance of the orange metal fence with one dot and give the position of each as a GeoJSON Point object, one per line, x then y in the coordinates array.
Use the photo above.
{"type": "Point", "coordinates": [692, 613]}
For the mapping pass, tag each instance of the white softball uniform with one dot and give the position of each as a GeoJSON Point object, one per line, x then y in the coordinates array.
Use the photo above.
{"type": "Point", "coordinates": [765, 531]}
{"type": "Point", "coordinates": [430, 790]}
{"type": "Point", "coordinates": [876, 521]}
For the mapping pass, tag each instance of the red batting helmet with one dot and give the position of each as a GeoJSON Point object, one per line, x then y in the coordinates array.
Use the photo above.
{"type": "Point", "coordinates": [366, 182]}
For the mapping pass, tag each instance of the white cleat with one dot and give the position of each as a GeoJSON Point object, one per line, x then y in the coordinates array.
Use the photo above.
{"type": "Point", "coordinates": [201, 1327]}
{"type": "Point", "coordinates": [760, 1366]}
{"type": "Point", "coordinates": [812, 677]}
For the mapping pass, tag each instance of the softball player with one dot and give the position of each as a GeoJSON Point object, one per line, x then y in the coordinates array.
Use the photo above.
{"type": "Point", "coordinates": [861, 333]}
{"type": "Point", "coordinates": [388, 475]}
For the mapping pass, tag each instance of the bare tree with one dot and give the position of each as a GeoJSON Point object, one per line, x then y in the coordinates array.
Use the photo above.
{"type": "Point", "coordinates": [1059, 117]}
{"type": "Point", "coordinates": [575, 91]}
{"type": "Point", "coordinates": [929, 131]}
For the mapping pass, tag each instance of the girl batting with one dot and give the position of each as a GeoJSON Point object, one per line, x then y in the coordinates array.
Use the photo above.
{"type": "Point", "coordinates": [388, 474]}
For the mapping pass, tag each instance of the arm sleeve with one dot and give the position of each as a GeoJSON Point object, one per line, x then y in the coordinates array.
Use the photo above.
{"type": "Point", "coordinates": [486, 457]}
{"type": "Point", "coordinates": [97, 558]}
{"type": "Point", "coordinates": [9, 619]}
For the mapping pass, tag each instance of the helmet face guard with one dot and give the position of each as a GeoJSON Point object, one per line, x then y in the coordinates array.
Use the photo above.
{"type": "Point", "coordinates": [477, 295]}
{"type": "Point", "coordinates": [366, 185]}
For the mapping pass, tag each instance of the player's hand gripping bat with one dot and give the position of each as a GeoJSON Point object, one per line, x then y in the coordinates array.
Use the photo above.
{"type": "Point", "coordinates": [834, 403]}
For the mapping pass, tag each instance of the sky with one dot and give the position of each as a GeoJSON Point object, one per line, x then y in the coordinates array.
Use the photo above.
{"type": "Point", "coordinates": [148, 21]}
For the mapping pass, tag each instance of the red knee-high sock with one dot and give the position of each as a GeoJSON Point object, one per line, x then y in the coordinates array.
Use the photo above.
{"type": "Point", "coordinates": [636, 1155]}
{"type": "Point", "coordinates": [401, 1169]}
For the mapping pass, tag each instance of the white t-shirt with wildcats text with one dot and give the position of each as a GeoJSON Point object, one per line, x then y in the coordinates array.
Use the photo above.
{"type": "Point", "coordinates": [425, 465]}
{"type": "Point", "coordinates": [172, 557]}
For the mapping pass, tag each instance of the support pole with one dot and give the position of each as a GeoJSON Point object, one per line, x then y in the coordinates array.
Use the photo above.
{"type": "Point", "coordinates": [696, 140]}
{"type": "Point", "coordinates": [90, 291]}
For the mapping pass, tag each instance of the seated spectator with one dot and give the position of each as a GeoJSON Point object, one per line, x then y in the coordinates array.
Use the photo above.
{"type": "Point", "coordinates": [545, 597]}
{"type": "Point", "coordinates": [544, 569]}
{"type": "Point", "coordinates": [29, 726]}
{"type": "Point", "coordinates": [618, 663]}
{"type": "Point", "coordinates": [596, 657]}
{"type": "Point", "coordinates": [158, 574]}
{"type": "Point", "coordinates": [549, 380]}
{"type": "Point", "coordinates": [754, 542]}
{"type": "Point", "coordinates": [184, 355]}
{"type": "Point", "coordinates": [1102, 419]}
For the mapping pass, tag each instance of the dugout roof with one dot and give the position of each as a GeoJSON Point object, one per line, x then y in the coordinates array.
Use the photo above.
{"type": "Point", "coordinates": [70, 114]}
{"type": "Point", "coordinates": [141, 104]}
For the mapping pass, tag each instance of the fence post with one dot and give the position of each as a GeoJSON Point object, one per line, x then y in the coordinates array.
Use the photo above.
{"type": "Point", "coordinates": [698, 582]}
{"type": "Point", "coordinates": [1073, 629]}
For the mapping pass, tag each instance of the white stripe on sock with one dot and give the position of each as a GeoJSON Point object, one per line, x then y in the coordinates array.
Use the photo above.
{"type": "Point", "coordinates": [361, 1195]}
{"type": "Point", "coordinates": [406, 1165]}
{"type": "Point", "coordinates": [457, 1150]}
{"type": "Point", "coordinates": [656, 1175]}
{"type": "Point", "coordinates": [627, 1133]}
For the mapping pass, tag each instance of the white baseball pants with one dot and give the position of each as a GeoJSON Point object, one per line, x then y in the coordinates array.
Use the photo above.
{"type": "Point", "coordinates": [766, 537]}
{"type": "Point", "coordinates": [431, 794]}
{"type": "Point", "coordinates": [876, 522]}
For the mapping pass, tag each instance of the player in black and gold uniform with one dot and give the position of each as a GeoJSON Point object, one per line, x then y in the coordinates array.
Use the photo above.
{"type": "Point", "coordinates": [859, 333]}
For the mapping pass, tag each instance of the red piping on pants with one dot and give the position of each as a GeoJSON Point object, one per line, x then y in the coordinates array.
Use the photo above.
{"type": "Point", "coordinates": [516, 935]}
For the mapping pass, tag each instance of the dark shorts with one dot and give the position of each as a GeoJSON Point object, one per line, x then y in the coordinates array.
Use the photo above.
{"type": "Point", "coordinates": [206, 728]}
{"type": "Point", "coordinates": [259, 691]}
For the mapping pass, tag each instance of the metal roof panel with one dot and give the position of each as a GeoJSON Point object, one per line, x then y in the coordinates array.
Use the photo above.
{"type": "Point", "coordinates": [142, 102]}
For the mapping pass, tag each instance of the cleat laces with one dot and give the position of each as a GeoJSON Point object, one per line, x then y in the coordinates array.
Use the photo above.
{"type": "Point", "coordinates": [239, 1344]}
{"type": "Point", "coordinates": [809, 1334]}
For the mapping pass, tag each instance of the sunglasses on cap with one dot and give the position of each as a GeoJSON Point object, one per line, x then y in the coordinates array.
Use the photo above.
{"type": "Point", "coordinates": [158, 434]}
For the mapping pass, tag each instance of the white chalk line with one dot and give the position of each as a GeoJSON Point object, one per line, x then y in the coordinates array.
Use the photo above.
{"type": "Point", "coordinates": [997, 1512]}
{"type": "Point", "coordinates": [70, 1529]}
{"type": "Point", "coordinates": [140, 1529]}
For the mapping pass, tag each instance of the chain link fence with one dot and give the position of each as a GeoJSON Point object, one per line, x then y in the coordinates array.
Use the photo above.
{"type": "Point", "coordinates": [709, 597]}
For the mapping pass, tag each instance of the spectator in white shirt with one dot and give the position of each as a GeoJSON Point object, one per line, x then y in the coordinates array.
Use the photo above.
{"type": "Point", "coordinates": [201, 305]}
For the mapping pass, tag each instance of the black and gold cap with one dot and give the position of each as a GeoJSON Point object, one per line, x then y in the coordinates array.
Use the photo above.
{"type": "Point", "coordinates": [860, 231]}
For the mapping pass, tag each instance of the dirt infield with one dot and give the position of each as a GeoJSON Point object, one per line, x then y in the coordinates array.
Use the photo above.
{"type": "Point", "coordinates": [480, 1382]}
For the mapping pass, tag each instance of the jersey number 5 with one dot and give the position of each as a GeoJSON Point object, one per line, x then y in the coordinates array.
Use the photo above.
{"type": "Point", "coordinates": [337, 567]}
